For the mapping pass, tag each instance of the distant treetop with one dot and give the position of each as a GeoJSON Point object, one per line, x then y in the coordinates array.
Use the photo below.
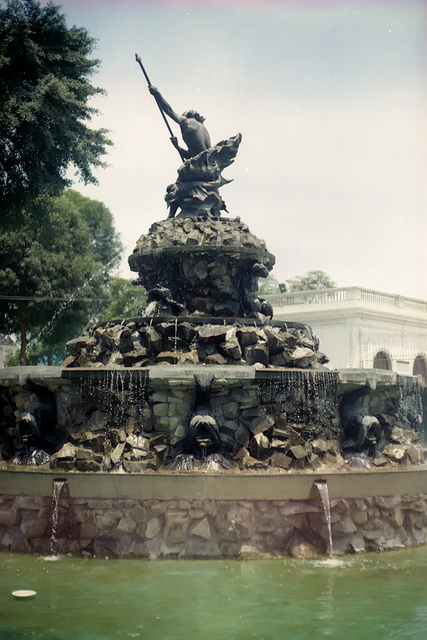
{"type": "Point", "coordinates": [310, 281]}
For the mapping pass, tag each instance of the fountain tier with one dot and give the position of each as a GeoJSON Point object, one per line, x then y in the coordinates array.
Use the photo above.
{"type": "Point", "coordinates": [209, 266]}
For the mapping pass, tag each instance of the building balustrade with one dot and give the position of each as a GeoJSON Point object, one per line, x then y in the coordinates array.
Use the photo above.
{"type": "Point", "coordinates": [345, 294]}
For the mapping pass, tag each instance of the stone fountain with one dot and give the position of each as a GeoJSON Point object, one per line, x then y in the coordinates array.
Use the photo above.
{"type": "Point", "coordinates": [205, 389]}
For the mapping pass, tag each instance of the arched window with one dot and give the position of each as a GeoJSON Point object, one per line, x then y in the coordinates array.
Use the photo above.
{"type": "Point", "coordinates": [420, 369]}
{"type": "Point", "coordinates": [382, 361]}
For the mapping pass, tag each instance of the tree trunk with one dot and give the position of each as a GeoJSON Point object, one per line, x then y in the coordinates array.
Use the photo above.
{"type": "Point", "coordinates": [23, 330]}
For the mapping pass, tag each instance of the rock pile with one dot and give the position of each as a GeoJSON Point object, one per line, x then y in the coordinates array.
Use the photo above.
{"type": "Point", "coordinates": [211, 267]}
{"type": "Point", "coordinates": [140, 342]}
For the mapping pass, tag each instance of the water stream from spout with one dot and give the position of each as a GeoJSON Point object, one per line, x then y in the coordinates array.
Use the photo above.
{"type": "Point", "coordinates": [65, 305]}
{"type": "Point", "coordinates": [323, 492]}
{"type": "Point", "coordinates": [175, 338]}
{"type": "Point", "coordinates": [58, 486]}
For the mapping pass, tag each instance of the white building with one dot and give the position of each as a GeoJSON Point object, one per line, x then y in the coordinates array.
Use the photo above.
{"type": "Point", "coordinates": [361, 328]}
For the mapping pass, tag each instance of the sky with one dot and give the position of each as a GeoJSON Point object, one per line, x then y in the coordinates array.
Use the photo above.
{"type": "Point", "coordinates": [330, 98]}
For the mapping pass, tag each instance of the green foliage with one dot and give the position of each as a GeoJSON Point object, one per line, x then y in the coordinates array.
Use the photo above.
{"type": "Point", "coordinates": [125, 300]}
{"type": "Point", "coordinates": [310, 281]}
{"type": "Point", "coordinates": [268, 285]}
{"type": "Point", "coordinates": [64, 247]}
{"type": "Point", "coordinates": [44, 111]}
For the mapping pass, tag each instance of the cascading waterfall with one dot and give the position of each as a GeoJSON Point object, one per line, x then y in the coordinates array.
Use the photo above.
{"type": "Point", "coordinates": [317, 393]}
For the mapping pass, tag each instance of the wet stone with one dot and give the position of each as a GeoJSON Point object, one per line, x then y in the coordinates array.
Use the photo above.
{"type": "Point", "coordinates": [256, 353]}
{"type": "Point", "coordinates": [261, 423]}
{"type": "Point", "coordinates": [302, 357]}
{"type": "Point", "coordinates": [247, 335]}
{"type": "Point", "coordinates": [210, 332]}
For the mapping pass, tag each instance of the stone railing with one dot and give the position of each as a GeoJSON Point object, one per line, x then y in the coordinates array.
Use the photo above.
{"type": "Point", "coordinates": [345, 294]}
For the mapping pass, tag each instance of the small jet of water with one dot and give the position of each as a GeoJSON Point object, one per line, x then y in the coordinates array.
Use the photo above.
{"type": "Point", "coordinates": [332, 563]}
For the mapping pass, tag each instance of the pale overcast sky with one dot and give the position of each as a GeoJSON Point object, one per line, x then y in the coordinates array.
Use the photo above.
{"type": "Point", "coordinates": [330, 98]}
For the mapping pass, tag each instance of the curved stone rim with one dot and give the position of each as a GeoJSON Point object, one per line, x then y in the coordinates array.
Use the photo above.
{"type": "Point", "coordinates": [224, 250]}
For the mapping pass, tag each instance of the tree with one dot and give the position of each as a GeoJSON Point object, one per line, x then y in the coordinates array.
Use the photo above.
{"type": "Point", "coordinates": [55, 268]}
{"type": "Point", "coordinates": [268, 285]}
{"type": "Point", "coordinates": [125, 300]}
{"type": "Point", "coordinates": [44, 110]}
{"type": "Point", "coordinates": [310, 281]}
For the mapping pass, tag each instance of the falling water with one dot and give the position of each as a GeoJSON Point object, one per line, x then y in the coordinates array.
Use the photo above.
{"type": "Point", "coordinates": [64, 306]}
{"type": "Point", "coordinates": [175, 338]}
{"type": "Point", "coordinates": [323, 492]}
{"type": "Point", "coordinates": [312, 395]}
{"type": "Point", "coordinates": [58, 485]}
{"type": "Point", "coordinates": [410, 407]}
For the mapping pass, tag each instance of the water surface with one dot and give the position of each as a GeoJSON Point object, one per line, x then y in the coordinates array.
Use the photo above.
{"type": "Point", "coordinates": [375, 596]}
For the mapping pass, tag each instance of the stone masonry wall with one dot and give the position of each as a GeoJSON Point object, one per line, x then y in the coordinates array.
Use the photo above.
{"type": "Point", "coordinates": [210, 528]}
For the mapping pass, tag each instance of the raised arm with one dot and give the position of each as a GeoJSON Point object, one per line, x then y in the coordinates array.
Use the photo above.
{"type": "Point", "coordinates": [164, 105]}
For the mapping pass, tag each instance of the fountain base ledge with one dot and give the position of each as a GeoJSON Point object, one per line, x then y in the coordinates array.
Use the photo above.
{"type": "Point", "coordinates": [240, 515]}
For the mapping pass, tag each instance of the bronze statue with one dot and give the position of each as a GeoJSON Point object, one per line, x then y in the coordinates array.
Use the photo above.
{"type": "Point", "coordinates": [193, 131]}
{"type": "Point", "coordinates": [196, 190]}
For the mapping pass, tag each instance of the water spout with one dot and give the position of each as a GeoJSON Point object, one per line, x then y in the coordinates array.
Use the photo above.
{"type": "Point", "coordinates": [321, 487]}
{"type": "Point", "coordinates": [58, 486]}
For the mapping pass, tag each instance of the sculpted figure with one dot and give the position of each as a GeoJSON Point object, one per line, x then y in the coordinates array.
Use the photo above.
{"type": "Point", "coordinates": [161, 303]}
{"type": "Point", "coordinates": [362, 431]}
{"type": "Point", "coordinates": [193, 131]}
{"type": "Point", "coordinates": [202, 442]}
{"type": "Point", "coordinates": [253, 305]}
{"type": "Point", "coordinates": [199, 177]}
{"type": "Point", "coordinates": [37, 428]}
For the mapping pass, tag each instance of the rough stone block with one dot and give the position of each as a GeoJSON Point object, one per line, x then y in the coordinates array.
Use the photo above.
{"type": "Point", "coordinates": [87, 454]}
{"type": "Point", "coordinates": [345, 525]}
{"type": "Point", "coordinates": [297, 507]}
{"type": "Point", "coordinates": [281, 359]}
{"type": "Point", "coordinates": [176, 525]}
{"type": "Point", "coordinates": [202, 529]}
{"type": "Point", "coordinates": [215, 358]}
{"type": "Point", "coordinates": [97, 421]}
{"type": "Point", "coordinates": [247, 335]}
{"type": "Point", "coordinates": [212, 332]}
{"type": "Point", "coordinates": [280, 460]}
{"type": "Point", "coordinates": [261, 423]}
{"type": "Point", "coordinates": [231, 347]}
{"type": "Point", "coordinates": [117, 453]}
{"type": "Point", "coordinates": [126, 524]}
{"type": "Point", "coordinates": [257, 353]}
{"type": "Point", "coordinates": [29, 502]}
{"type": "Point", "coordinates": [32, 526]}
{"type": "Point", "coordinates": [395, 452]}
{"type": "Point", "coordinates": [138, 513]}
{"type": "Point", "coordinates": [357, 543]}
{"type": "Point", "coordinates": [154, 527]}
{"type": "Point", "coordinates": [8, 518]}
{"type": "Point", "coordinates": [242, 436]}
{"type": "Point", "coordinates": [302, 357]}
{"type": "Point", "coordinates": [87, 532]}
{"type": "Point", "coordinates": [359, 517]}
{"type": "Point", "coordinates": [88, 465]}
{"type": "Point", "coordinates": [235, 524]}
{"type": "Point", "coordinates": [153, 340]}
{"type": "Point", "coordinates": [210, 507]}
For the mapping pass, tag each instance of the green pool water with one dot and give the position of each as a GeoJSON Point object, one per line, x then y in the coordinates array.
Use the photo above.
{"type": "Point", "coordinates": [375, 596]}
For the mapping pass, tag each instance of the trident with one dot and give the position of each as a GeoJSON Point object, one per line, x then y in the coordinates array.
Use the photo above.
{"type": "Point", "coordinates": [139, 61]}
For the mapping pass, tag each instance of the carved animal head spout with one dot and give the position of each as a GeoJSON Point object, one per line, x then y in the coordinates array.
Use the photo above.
{"type": "Point", "coordinates": [202, 447]}
{"type": "Point", "coordinates": [203, 436]}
